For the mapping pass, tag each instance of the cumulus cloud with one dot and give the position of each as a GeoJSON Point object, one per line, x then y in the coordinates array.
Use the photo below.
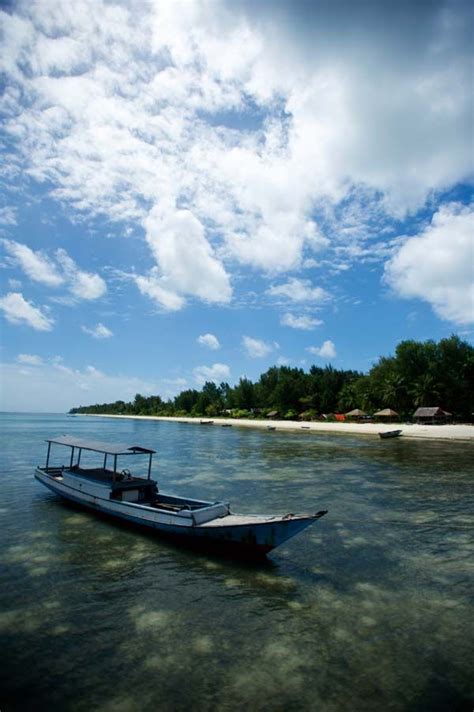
{"type": "Point", "coordinates": [327, 350]}
{"type": "Point", "coordinates": [98, 332]}
{"type": "Point", "coordinates": [54, 273]}
{"type": "Point", "coordinates": [235, 131]}
{"type": "Point", "coordinates": [256, 348]}
{"type": "Point", "coordinates": [185, 258]}
{"type": "Point", "coordinates": [18, 310]}
{"type": "Point", "coordinates": [217, 373]}
{"type": "Point", "coordinates": [437, 265]}
{"type": "Point", "coordinates": [209, 340]}
{"type": "Point", "coordinates": [29, 359]}
{"type": "Point", "coordinates": [299, 290]}
{"type": "Point", "coordinates": [83, 285]}
{"type": "Point", "coordinates": [152, 287]}
{"type": "Point", "coordinates": [35, 265]}
{"type": "Point", "coordinates": [303, 322]}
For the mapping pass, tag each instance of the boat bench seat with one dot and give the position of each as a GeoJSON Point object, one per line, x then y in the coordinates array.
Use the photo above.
{"type": "Point", "coordinates": [206, 514]}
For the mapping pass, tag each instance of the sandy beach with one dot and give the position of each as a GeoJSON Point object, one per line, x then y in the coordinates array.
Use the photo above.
{"type": "Point", "coordinates": [431, 432]}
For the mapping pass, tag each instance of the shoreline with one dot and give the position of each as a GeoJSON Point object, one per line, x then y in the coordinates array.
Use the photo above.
{"type": "Point", "coordinates": [412, 430]}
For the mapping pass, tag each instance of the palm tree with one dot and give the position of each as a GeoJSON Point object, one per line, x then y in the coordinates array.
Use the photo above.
{"type": "Point", "coordinates": [393, 390]}
{"type": "Point", "coordinates": [425, 390]}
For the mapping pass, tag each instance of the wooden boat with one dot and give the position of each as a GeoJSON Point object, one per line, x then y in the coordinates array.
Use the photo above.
{"type": "Point", "coordinates": [206, 422]}
{"type": "Point", "coordinates": [390, 434]}
{"type": "Point", "coordinates": [136, 499]}
{"type": "Point", "coordinates": [226, 425]}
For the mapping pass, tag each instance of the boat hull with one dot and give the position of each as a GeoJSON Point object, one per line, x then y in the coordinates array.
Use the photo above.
{"type": "Point", "coordinates": [243, 535]}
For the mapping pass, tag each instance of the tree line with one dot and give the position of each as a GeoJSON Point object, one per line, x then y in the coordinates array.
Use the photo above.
{"type": "Point", "coordinates": [418, 374]}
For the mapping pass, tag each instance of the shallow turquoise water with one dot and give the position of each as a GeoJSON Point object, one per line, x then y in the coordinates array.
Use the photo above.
{"type": "Point", "coordinates": [369, 609]}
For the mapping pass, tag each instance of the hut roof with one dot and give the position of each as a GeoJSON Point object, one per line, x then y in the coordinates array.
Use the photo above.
{"type": "Point", "coordinates": [272, 414]}
{"type": "Point", "coordinates": [429, 412]}
{"type": "Point", "coordinates": [355, 412]}
{"type": "Point", "coordinates": [386, 413]}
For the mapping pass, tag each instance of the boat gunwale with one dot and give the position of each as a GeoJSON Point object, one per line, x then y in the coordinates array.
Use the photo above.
{"type": "Point", "coordinates": [254, 519]}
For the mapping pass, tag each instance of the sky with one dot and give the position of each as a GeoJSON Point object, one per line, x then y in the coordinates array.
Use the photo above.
{"type": "Point", "coordinates": [198, 190]}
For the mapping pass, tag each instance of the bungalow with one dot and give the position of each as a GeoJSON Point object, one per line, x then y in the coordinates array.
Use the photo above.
{"type": "Point", "coordinates": [356, 414]}
{"type": "Point", "coordinates": [431, 416]}
{"type": "Point", "coordinates": [387, 415]}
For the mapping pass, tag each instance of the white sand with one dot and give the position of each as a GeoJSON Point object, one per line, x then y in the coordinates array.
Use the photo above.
{"type": "Point", "coordinates": [433, 432]}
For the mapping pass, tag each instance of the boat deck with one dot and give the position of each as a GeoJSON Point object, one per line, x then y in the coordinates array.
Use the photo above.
{"type": "Point", "coordinates": [99, 474]}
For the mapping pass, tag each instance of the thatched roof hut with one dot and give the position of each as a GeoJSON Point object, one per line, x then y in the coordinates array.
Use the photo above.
{"type": "Point", "coordinates": [386, 413]}
{"type": "Point", "coordinates": [356, 413]}
{"type": "Point", "coordinates": [272, 414]}
{"type": "Point", "coordinates": [431, 415]}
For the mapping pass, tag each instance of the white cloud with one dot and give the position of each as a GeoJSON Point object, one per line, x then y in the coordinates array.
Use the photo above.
{"type": "Point", "coordinates": [303, 322]}
{"type": "Point", "coordinates": [299, 290]}
{"type": "Point", "coordinates": [8, 216]}
{"type": "Point", "coordinates": [170, 387]}
{"type": "Point", "coordinates": [151, 287]}
{"type": "Point", "coordinates": [83, 285]}
{"type": "Point", "coordinates": [437, 265]}
{"type": "Point", "coordinates": [229, 129]}
{"type": "Point", "coordinates": [327, 350]}
{"type": "Point", "coordinates": [29, 359]}
{"type": "Point", "coordinates": [185, 258]}
{"type": "Point", "coordinates": [209, 340]}
{"type": "Point", "coordinates": [35, 265]}
{"type": "Point", "coordinates": [98, 332]}
{"type": "Point", "coordinates": [18, 310]}
{"type": "Point", "coordinates": [256, 348]}
{"type": "Point", "coordinates": [217, 373]}
{"type": "Point", "coordinates": [55, 387]}
{"type": "Point", "coordinates": [40, 268]}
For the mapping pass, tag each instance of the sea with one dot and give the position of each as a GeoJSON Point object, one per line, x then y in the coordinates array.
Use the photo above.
{"type": "Point", "coordinates": [369, 609]}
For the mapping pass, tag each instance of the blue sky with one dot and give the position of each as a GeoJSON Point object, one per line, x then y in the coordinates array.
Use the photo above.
{"type": "Point", "coordinates": [198, 195]}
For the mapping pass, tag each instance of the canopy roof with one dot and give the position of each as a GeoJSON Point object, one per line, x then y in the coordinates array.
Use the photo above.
{"type": "Point", "coordinates": [386, 412]}
{"type": "Point", "coordinates": [356, 412]}
{"type": "Point", "coordinates": [430, 412]}
{"type": "Point", "coordinates": [96, 446]}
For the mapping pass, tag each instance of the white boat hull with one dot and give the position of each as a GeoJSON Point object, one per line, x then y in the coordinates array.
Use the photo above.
{"type": "Point", "coordinates": [251, 534]}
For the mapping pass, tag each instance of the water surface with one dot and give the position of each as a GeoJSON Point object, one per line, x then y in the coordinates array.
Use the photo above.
{"type": "Point", "coordinates": [369, 609]}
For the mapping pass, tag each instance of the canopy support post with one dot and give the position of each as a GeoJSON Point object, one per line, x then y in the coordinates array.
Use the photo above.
{"type": "Point", "coordinates": [47, 456]}
{"type": "Point", "coordinates": [149, 466]}
{"type": "Point", "coordinates": [72, 458]}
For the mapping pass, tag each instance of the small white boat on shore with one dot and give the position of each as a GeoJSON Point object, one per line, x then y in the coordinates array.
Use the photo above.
{"type": "Point", "coordinates": [387, 434]}
{"type": "Point", "coordinates": [118, 493]}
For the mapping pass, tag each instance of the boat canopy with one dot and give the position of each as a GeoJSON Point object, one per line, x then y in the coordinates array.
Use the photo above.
{"type": "Point", "coordinates": [96, 446]}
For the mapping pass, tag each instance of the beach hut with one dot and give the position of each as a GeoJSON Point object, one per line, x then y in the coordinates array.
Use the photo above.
{"type": "Point", "coordinates": [272, 414]}
{"type": "Point", "coordinates": [356, 414]}
{"type": "Point", "coordinates": [431, 416]}
{"type": "Point", "coordinates": [387, 415]}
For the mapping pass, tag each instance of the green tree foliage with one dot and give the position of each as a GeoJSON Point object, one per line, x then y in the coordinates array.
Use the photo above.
{"type": "Point", "coordinates": [244, 395]}
{"type": "Point", "coordinates": [419, 374]}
